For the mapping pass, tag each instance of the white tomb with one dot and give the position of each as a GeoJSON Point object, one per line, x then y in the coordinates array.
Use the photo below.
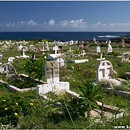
{"type": "Point", "coordinates": [54, 56]}
{"type": "Point", "coordinates": [109, 47]}
{"type": "Point", "coordinates": [105, 72]}
{"type": "Point", "coordinates": [56, 48]}
{"type": "Point", "coordinates": [83, 53]}
{"type": "Point", "coordinates": [20, 47]}
{"type": "Point", "coordinates": [11, 59]}
{"type": "Point", "coordinates": [125, 57]}
{"type": "Point", "coordinates": [98, 50]}
{"type": "Point", "coordinates": [101, 58]}
{"type": "Point", "coordinates": [52, 78]}
{"type": "Point", "coordinates": [61, 60]}
{"type": "Point", "coordinates": [23, 55]}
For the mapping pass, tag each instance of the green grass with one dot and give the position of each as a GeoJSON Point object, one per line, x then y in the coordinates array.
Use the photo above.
{"type": "Point", "coordinates": [47, 117]}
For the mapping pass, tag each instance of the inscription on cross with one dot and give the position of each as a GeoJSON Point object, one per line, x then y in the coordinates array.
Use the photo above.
{"type": "Point", "coordinates": [104, 70]}
{"type": "Point", "coordinates": [52, 71]}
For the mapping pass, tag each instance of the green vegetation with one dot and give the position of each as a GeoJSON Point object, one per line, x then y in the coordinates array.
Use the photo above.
{"type": "Point", "coordinates": [26, 111]}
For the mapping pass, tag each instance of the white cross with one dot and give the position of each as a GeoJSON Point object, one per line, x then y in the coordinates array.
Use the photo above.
{"type": "Point", "coordinates": [83, 53]}
{"type": "Point", "coordinates": [101, 58]}
{"type": "Point", "coordinates": [56, 49]}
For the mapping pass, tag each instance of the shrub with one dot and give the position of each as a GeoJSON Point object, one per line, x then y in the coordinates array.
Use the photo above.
{"type": "Point", "coordinates": [13, 108]}
{"type": "Point", "coordinates": [36, 68]}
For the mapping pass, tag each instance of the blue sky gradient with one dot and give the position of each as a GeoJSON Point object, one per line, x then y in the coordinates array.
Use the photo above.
{"type": "Point", "coordinates": [65, 16]}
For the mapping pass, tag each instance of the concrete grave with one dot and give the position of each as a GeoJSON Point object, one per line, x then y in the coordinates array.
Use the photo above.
{"type": "Point", "coordinates": [83, 53]}
{"type": "Point", "coordinates": [52, 78]}
{"type": "Point", "coordinates": [105, 72]}
{"type": "Point", "coordinates": [23, 54]}
{"type": "Point", "coordinates": [61, 60]}
{"type": "Point", "coordinates": [11, 59]}
{"type": "Point", "coordinates": [109, 47]}
{"type": "Point", "coordinates": [98, 50]}
{"type": "Point", "coordinates": [7, 69]}
{"type": "Point", "coordinates": [125, 57]}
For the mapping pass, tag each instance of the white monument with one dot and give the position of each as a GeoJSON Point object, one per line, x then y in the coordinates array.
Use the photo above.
{"type": "Point", "coordinates": [61, 60]}
{"type": "Point", "coordinates": [105, 72]}
{"type": "Point", "coordinates": [23, 55]}
{"type": "Point", "coordinates": [52, 78]}
{"type": "Point", "coordinates": [54, 56]}
{"type": "Point", "coordinates": [101, 58]}
{"type": "Point", "coordinates": [125, 57]}
{"type": "Point", "coordinates": [109, 47]}
{"type": "Point", "coordinates": [20, 47]}
{"type": "Point", "coordinates": [83, 53]}
{"type": "Point", "coordinates": [11, 59]}
{"type": "Point", "coordinates": [71, 42]}
{"type": "Point", "coordinates": [98, 50]}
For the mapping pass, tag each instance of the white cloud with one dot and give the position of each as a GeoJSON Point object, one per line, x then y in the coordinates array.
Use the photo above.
{"type": "Point", "coordinates": [51, 22]}
{"type": "Point", "coordinates": [65, 25]}
{"type": "Point", "coordinates": [32, 23]}
{"type": "Point", "coordinates": [79, 23]}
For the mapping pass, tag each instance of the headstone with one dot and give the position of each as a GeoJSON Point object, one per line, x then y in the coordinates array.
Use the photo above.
{"type": "Point", "coordinates": [105, 72]}
{"type": "Point", "coordinates": [71, 42]}
{"type": "Point", "coordinates": [94, 39]}
{"type": "Point", "coordinates": [56, 48]}
{"type": "Point", "coordinates": [61, 60]}
{"type": "Point", "coordinates": [101, 58]}
{"type": "Point", "coordinates": [46, 46]}
{"type": "Point", "coordinates": [98, 50]}
{"type": "Point", "coordinates": [7, 69]}
{"type": "Point", "coordinates": [83, 53]}
{"type": "Point", "coordinates": [20, 47]}
{"type": "Point", "coordinates": [52, 78]}
{"type": "Point", "coordinates": [125, 57]}
{"type": "Point", "coordinates": [11, 59]}
{"type": "Point", "coordinates": [109, 47]}
{"type": "Point", "coordinates": [123, 43]}
{"type": "Point", "coordinates": [23, 54]}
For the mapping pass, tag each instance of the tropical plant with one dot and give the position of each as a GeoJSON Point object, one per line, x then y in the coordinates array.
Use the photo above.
{"type": "Point", "coordinates": [35, 68]}
{"type": "Point", "coordinates": [90, 94]}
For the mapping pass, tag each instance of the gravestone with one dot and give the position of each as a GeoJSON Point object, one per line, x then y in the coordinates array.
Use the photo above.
{"type": "Point", "coordinates": [125, 57]}
{"type": "Point", "coordinates": [105, 72]}
{"type": "Point", "coordinates": [109, 47]}
{"type": "Point", "coordinates": [7, 69]}
{"type": "Point", "coordinates": [11, 59]}
{"type": "Point", "coordinates": [98, 50]}
{"type": "Point", "coordinates": [61, 60]}
{"type": "Point", "coordinates": [101, 58]}
{"type": "Point", "coordinates": [20, 47]}
{"type": "Point", "coordinates": [83, 53]}
{"type": "Point", "coordinates": [23, 54]}
{"type": "Point", "coordinates": [123, 43]}
{"type": "Point", "coordinates": [52, 78]}
{"type": "Point", "coordinates": [56, 48]}
{"type": "Point", "coordinates": [94, 39]}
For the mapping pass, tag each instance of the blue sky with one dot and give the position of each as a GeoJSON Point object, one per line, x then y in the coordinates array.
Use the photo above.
{"type": "Point", "coordinates": [65, 16]}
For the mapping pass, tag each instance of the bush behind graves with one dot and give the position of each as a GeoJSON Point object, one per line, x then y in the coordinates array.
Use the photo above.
{"type": "Point", "coordinates": [36, 68]}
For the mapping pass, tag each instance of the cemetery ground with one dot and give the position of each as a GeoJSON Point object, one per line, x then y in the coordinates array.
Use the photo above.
{"type": "Point", "coordinates": [26, 111]}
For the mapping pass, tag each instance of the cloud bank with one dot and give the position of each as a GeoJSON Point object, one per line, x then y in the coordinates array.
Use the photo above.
{"type": "Point", "coordinates": [65, 25]}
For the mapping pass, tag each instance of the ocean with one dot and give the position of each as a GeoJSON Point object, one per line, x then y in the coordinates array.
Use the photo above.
{"type": "Point", "coordinates": [61, 36]}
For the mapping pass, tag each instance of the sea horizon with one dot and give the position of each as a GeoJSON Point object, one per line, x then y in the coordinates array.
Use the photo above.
{"type": "Point", "coordinates": [60, 35]}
